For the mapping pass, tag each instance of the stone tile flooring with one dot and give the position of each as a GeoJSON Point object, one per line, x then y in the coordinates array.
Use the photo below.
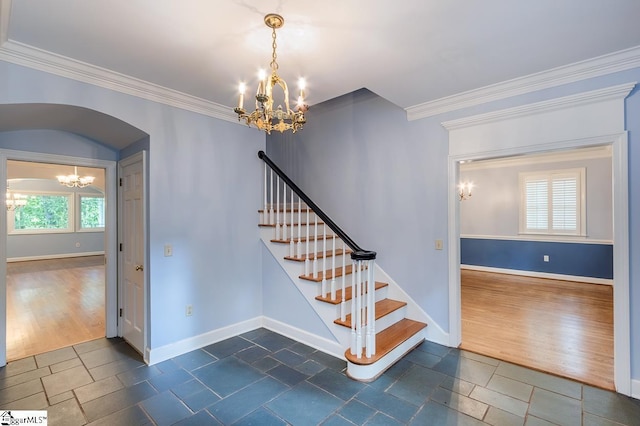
{"type": "Point", "coordinates": [263, 378]}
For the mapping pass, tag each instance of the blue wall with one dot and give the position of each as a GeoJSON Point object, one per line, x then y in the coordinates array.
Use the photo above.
{"type": "Point", "coordinates": [216, 262]}
{"type": "Point", "coordinates": [384, 180]}
{"type": "Point", "coordinates": [583, 260]}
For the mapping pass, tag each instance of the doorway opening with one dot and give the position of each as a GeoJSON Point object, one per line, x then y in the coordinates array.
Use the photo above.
{"type": "Point", "coordinates": [55, 258]}
{"type": "Point", "coordinates": [536, 241]}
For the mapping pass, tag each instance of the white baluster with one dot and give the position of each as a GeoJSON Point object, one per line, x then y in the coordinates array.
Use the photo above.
{"type": "Point", "coordinates": [359, 308]}
{"type": "Point", "coordinates": [343, 305]}
{"type": "Point", "coordinates": [277, 207]}
{"type": "Point", "coordinates": [353, 312]}
{"type": "Point", "coordinates": [315, 246]}
{"type": "Point", "coordinates": [271, 218]}
{"type": "Point", "coordinates": [324, 260]}
{"type": "Point", "coordinates": [333, 269]}
{"type": "Point", "coordinates": [284, 211]}
{"type": "Point", "coordinates": [292, 247]}
{"type": "Point", "coordinates": [306, 260]}
{"type": "Point", "coordinates": [265, 212]}
{"type": "Point", "coordinates": [371, 311]}
{"type": "Point", "coordinates": [299, 249]}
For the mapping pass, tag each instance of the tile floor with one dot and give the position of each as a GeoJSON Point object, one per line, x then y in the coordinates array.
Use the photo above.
{"type": "Point", "coordinates": [263, 378]}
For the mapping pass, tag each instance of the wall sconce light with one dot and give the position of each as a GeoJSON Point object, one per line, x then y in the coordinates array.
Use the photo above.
{"type": "Point", "coordinates": [464, 190]}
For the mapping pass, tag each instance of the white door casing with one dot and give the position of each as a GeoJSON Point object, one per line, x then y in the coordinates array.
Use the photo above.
{"type": "Point", "coordinates": [586, 119]}
{"type": "Point", "coordinates": [133, 270]}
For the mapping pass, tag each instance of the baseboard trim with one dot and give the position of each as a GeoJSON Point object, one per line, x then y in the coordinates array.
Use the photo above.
{"type": "Point", "coordinates": [54, 256]}
{"type": "Point", "coordinates": [163, 353]}
{"type": "Point", "coordinates": [534, 274]}
{"type": "Point", "coordinates": [635, 389]}
{"type": "Point", "coordinates": [320, 343]}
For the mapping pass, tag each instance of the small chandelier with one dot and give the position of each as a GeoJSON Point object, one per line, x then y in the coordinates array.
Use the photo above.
{"type": "Point", "coordinates": [265, 117]}
{"type": "Point", "coordinates": [75, 180]}
{"type": "Point", "coordinates": [15, 201]}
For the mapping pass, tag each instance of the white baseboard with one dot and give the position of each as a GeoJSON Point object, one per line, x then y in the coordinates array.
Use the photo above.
{"type": "Point", "coordinates": [163, 353]}
{"type": "Point", "coordinates": [534, 274]}
{"type": "Point", "coordinates": [54, 256]}
{"type": "Point", "coordinates": [635, 389]}
{"type": "Point", "coordinates": [320, 343]}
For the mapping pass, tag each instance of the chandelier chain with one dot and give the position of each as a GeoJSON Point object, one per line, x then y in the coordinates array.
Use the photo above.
{"type": "Point", "coordinates": [274, 64]}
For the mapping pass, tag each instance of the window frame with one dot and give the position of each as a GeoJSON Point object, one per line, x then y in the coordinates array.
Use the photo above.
{"type": "Point", "coordinates": [549, 176]}
{"type": "Point", "coordinates": [78, 222]}
{"type": "Point", "coordinates": [70, 217]}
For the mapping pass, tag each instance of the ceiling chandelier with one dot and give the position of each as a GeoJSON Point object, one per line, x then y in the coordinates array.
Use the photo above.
{"type": "Point", "coordinates": [15, 201]}
{"type": "Point", "coordinates": [265, 117]}
{"type": "Point", "coordinates": [74, 180]}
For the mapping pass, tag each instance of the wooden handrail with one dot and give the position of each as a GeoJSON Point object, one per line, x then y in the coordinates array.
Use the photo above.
{"type": "Point", "coordinates": [357, 253]}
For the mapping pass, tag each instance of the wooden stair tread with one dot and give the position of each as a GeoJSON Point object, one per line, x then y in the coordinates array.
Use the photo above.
{"type": "Point", "coordinates": [387, 340]}
{"type": "Point", "coordinates": [347, 294]}
{"type": "Point", "coordinates": [319, 255]}
{"type": "Point", "coordinates": [328, 274]}
{"type": "Point", "coordinates": [383, 307]}
{"type": "Point", "coordinates": [303, 239]}
{"type": "Point", "coordinates": [295, 209]}
{"type": "Point", "coordinates": [289, 225]}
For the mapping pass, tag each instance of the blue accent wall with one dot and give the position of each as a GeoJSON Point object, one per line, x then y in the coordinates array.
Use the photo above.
{"type": "Point", "coordinates": [583, 260]}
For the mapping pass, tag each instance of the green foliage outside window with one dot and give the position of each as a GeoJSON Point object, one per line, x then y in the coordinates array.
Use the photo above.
{"type": "Point", "coordinates": [43, 212]}
{"type": "Point", "coordinates": [91, 212]}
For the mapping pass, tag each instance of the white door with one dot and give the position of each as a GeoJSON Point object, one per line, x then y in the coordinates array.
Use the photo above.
{"type": "Point", "coordinates": [132, 252]}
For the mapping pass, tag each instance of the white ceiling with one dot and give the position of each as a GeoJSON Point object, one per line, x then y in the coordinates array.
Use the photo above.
{"type": "Point", "coordinates": [409, 52]}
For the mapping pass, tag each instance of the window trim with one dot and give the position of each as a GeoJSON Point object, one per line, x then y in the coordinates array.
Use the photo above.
{"type": "Point", "coordinates": [581, 223]}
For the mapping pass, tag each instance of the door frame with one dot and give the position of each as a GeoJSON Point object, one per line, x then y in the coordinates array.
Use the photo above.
{"type": "Point", "coordinates": [110, 233]}
{"type": "Point", "coordinates": [139, 156]}
{"type": "Point", "coordinates": [620, 176]}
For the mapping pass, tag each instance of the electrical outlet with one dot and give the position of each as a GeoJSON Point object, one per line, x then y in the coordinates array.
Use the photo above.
{"type": "Point", "coordinates": [439, 244]}
{"type": "Point", "coordinates": [545, 258]}
{"type": "Point", "coordinates": [168, 250]}
{"type": "Point", "coordinates": [188, 310]}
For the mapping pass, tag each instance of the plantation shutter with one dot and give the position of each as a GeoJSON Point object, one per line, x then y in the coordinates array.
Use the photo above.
{"type": "Point", "coordinates": [565, 203]}
{"type": "Point", "coordinates": [552, 202]}
{"type": "Point", "coordinates": [537, 204]}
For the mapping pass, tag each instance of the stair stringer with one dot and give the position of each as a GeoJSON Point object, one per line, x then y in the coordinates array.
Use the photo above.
{"type": "Point", "coordinates": [325, 311]}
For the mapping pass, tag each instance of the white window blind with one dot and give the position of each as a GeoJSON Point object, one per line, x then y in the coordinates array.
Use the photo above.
{"type": "Point", "coordinates": [553, 202]}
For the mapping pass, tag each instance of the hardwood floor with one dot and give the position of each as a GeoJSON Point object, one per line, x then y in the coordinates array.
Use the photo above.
{"type": "Point", "coordinates": [54, 303]}
{"type": "Point", "coordinates": [561, 327]}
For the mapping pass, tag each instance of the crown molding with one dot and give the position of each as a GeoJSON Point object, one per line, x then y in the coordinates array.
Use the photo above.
{"type": "Point", "coordinates": [28, 56]}
{"type": "Point", "coordinates": [590, 68]}
{"type": "Point", "coordinates": [620, 91]}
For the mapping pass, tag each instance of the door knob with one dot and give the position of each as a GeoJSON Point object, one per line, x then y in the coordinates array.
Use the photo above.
{"type": "Point", "coordinates": [139, 268]}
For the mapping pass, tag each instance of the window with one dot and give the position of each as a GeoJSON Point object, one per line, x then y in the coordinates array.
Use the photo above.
{"type": "Point", "coordinates": [553, 202]}
{"type": "Point", "coordinates": [91, 216]}
{"type": "Point", "coordinates": [43, 213]}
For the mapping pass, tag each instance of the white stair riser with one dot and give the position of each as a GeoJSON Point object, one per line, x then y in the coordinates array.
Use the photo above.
{"type": "Point", "coordinates": [390, 319]}
{"type": "Point", "coordinates": [368, 373]}
{"type": "Point", "coordinates": [380, 295]}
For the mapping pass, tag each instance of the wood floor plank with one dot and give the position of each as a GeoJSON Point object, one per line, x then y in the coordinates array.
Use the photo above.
{"type": "Point", "coordinates": [53, 304]}
{"type": "Point", "coordinates": [561, 327]}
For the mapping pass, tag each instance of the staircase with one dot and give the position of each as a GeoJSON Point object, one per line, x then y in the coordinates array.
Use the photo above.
{"type": "Point", "coordinates": [337, 277]}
